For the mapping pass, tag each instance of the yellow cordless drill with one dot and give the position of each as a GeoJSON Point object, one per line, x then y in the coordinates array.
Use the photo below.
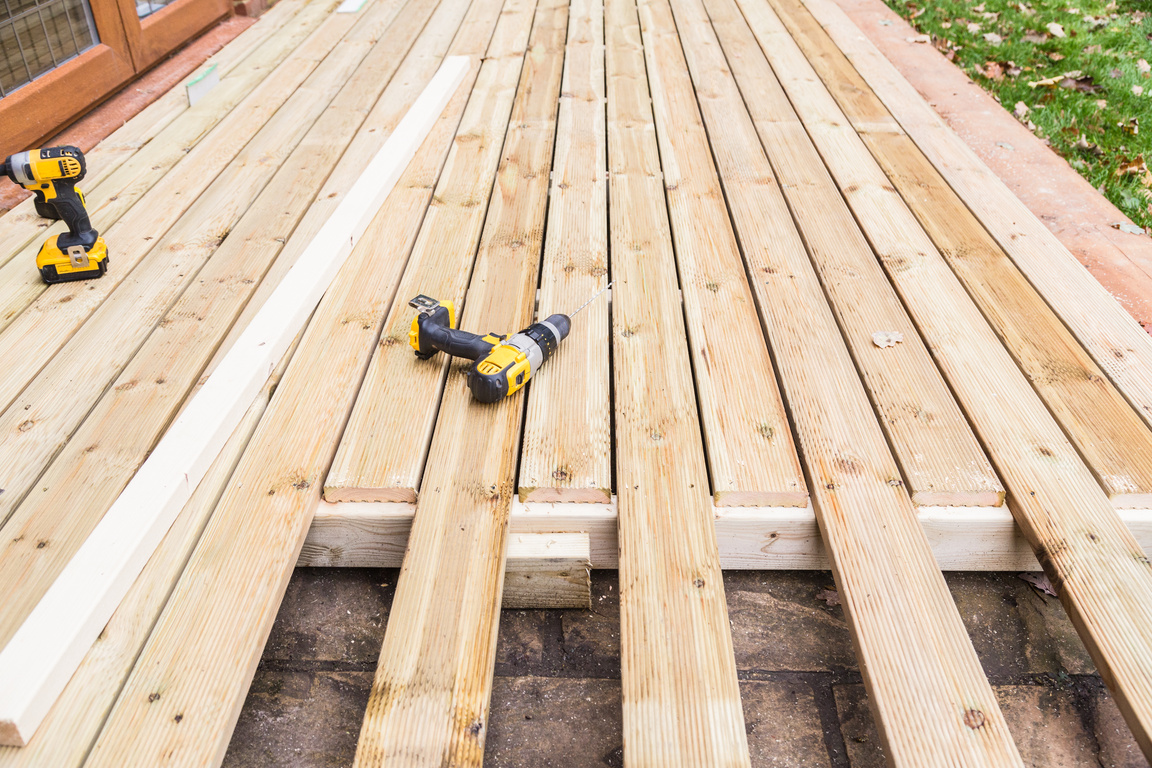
{"type": "Point", "coordinates": [503, 364]}
{"type": "Point", "coordinates": [52, 174]}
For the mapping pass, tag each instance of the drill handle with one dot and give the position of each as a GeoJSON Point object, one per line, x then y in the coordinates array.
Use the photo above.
{"type": "Point", "coordinates": [70, 208]}
{"type": "Point", "coordinates": [434, 333]}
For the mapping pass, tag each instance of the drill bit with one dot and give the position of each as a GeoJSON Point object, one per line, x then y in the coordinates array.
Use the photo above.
{"type": "Point", "coordinates": [592, 299]}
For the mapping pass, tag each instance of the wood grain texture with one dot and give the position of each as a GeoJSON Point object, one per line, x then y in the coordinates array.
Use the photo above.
{"type": "Point", "coordinates": [932, 703]}
{"type": "Point", "coordinates": [98, 327]}
{"type": "Point", "coordinates": [938, 455]}
{"type": "Point", "coordinates": [1103, 576]}
{"type": "Point", "coordinates": [567, 452]}
{"type": "Point", "coordinates": [384, 447]}
{"type": "Point", "coordinates": [67, 733]}
{"type": "Point", "coordinates": [751, 457]}
{"type": "Point", "coordinates": [1114, 441]}
{"type": "Point", "coordinates": [681, 696]}
{"type": "Point", "coordinates": [20, 283]}
{"type": "Point", "coordinates": [124, 426]}
{"type": "Point", "coordinates": [548, 571]}
{"type": "Point", "coordinates": [21, 224]}
{"type": "Point", "coordinates": [430, 695]}
{"type": "Point", "coordinates": [252, 542]}
{"type": "Point", "coordinates": [1107, 332]}
{"type": "Point", "coordinates": [111, 337]}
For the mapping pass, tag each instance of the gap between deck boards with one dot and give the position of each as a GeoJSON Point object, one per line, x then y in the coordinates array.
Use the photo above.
{"type": "Point", "coordinates": [375, 534]}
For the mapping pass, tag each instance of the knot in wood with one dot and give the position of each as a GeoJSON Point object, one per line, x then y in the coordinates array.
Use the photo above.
{"type": "Point", "coordinates": [974, 719]}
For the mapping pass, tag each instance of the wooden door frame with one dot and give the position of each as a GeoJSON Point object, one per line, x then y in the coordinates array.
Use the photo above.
{"type": "Point", "coordinates": [128, 46]}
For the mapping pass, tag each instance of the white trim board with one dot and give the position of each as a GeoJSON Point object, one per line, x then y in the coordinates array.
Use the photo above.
{"type": "Point", "coordinates": [375, 534]}
{"type": "Point", "coordinates": [42, 655]}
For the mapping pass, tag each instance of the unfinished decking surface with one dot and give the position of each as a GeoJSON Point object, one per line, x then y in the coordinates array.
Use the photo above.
{"type": "Point", "coordinates": [766, 196]}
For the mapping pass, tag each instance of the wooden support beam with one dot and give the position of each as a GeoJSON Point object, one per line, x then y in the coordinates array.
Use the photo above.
{"type": "Point", "coordinates": [73, 722]}
{"type": "Point", "coordinates": [546, 571]}
{"type": "Point", "coordinates": [1103, 576]}
{"type": "Point", "coordinates": [20, 283]}
{"type": "Point", "coordinates": [678, 671]}
{"type": "Point", "coordinates": [224, 605]}
{"type": "Point", "coordinates": [59, 513]}
{"type": "Point", "coordinates": [430, 695]}
{"type": "Point", "coordinates": [1114, 339]}
{"type": "Point", "coordinates": [923, 676]}
{"type": "Point", "coordinates": [567, 450]}
{"type": "Point", "coordinates": [375, 535]}
{"type": "Point", "coordinates": [42, 654]}
{"type": "Point", "coordinates": [938, 455]}
{"type": "Point", "coordinates": [22, 224]}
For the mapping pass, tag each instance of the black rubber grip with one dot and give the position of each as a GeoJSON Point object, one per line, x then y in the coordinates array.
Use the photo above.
{"type": "Point", "coordinates": [436, 336]}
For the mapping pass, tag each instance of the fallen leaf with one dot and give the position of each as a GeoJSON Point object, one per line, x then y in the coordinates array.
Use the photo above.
{"type": "Point", "coordinates": [1056, 29]}
{"type": "Point", "coordinates": [829, 596]}
{"type": "Point", "coordinates": [1056, 56]}
{"type": "Point", "coordinates": [1131, 126]}
{"type": "Point", "coordinates": [1083, 84]}
{"type": "Point", "coordinates": [1101, 103]}
{"type": "Point", "coordinates": [918, 13]}
{"type": "Point", "coordinates": [1039, 582]}
{"type": "Point", "coordinates": [973, 27]}
{"type": "Point", "coordinates": [1091, 50]}
{"type": "Point", "coordinates": [1033, 37]}
{"type": "Point", "coordinates": [1131, 229]}
{"type": "Point", "coordinates": [919, 39]}
{"type": "Point", "coordinates": [978, 8]}
{"type": "Point", "coordinates": [993, 38]}
{"type": "Point", "coordinates": [1137, 90]}
{"type": "Point", "coordinates": [1020, 110]}
{"type": "Point", "coordinates": [1084, 145]}
{"type": "Point", "coordinates": [1143, 66]}
{"type": "Point", "coordinates": [887, 338]}
{"type": "Point", "coordinates": [1025, 9]}
{"type": "Point", "coordinates": [1012, 70]}
{"type": "Point", "coordinates": [946, 24]}
{"type": "Point", "coordinates": [1132, 166]}
{"type": "Point", "coordinates": [1115, 74]}
{"type": "Point", "coordinates": [991, 70]}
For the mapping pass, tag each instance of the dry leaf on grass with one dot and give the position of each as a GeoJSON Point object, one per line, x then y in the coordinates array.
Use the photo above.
{"type": "Point", "coordinates": [1143, 66]}
{"type": "Point", "coordinates": [1033, 37]}
{"type": "Point", "coordinates": [993, 38]}
{"type": "Point", "coordinates": [1056, 29]}
{"type": "Point", "coordinates": [1020, 111]}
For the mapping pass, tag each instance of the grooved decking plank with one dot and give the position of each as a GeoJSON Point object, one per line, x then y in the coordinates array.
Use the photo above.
{"type": "Point", "coordinates": [67, 733]}
{"type": "Point", "coordinates": [225, 602]}
{"type": "Point", "coordinates": [566, 454]}
{"type": "Point", "coordinates": [751, 454]}
{"type": "Point", "coordinates": [924, 680]}
{"type": "Point", "coordinates": [385, 444]}
{"type": "Point", "coordinates": [113, 441]}
{"type": "Point", "coordinates": [940, 458]}
{"type": "Point", "coordinates": [21, 224]}
{"type": "Point", "coordinates": [681, 696]}
{"type": "Point", "coordinates": [1103, 577]}
{"type": "Point", "coordinates": [1107, 332]}
{"type": "Point", "coordinates": [1114, 441]}
{"type": "Point", "coordinates": [20, 283]}
{"type": "Point", "coordinates": [430, 696]}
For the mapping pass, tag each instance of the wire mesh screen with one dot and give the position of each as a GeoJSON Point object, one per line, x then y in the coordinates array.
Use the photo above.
{"type": "Point", "coordinates": [38, 35]}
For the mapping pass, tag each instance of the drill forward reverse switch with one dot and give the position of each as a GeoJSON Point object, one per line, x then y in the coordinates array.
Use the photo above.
{"type": "Point", "coordinates": [51, 174]}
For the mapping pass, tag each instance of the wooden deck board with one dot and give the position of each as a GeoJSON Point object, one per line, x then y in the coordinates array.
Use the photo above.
{"type": "Point", "coordinates": [681, 698]}
{"type": "Point", "coordinates": [1099, 569]}
{"type": "Point", "coordinates": [566, 454]}
{"type": "Point", "coordinates": [252, 541]}
{"type": "Point", "coordinates": [725, 175]}
{"type": "Point", "coordinates": [429, 699]}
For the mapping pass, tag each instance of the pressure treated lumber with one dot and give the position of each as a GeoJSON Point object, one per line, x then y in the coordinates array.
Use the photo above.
{"type": "Point", "coordinates": [751, 457]}
{"type": "Point", "coordinates": [225, 603]}
{"type": "Point", "coordinates": [433, 682]}
{"type": "Point", "coordinates": [547, 571]}
{"type": "Point", "coordinates": [1114, 339]}
{"type": "Point", "coordinates": [375, 535]}
{"type": "Point", "coordinates": [567, 452]}
{"type": "Point", "coordinates": [681, 698]}
{"type": "Point", "coordinates": [21, 224]}
{"type": "Point", "coordinates": [20, 282]}
{"type": "Point", "coordinates": [938, 455]}
{"type": "Point", "coordinates": [53, 319]}
{"type": "Point", "coordinates": [385, 443]}
{"type": "Point", "coordinates": [1114, 441]}
{"type": "Point", "coordinates": [35, 427]}
{"type": "Point", "coordinates": [67, 733]}
{"type": "Point", "coordinates": [100, 458]}
{"type": "Point", "coordinates": [44, 651]}
{"type": "Point", "coordinates": [923, 676]}
{"type": "Point", "coordinates": [1099, 569]}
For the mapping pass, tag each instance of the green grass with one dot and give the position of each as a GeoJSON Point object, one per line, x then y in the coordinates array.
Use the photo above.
{"type": "Point", "coordinates": [1096, 111]}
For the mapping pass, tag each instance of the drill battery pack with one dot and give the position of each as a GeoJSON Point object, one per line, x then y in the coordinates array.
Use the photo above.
{"type": "Point", "coordinates": [73, 262]}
